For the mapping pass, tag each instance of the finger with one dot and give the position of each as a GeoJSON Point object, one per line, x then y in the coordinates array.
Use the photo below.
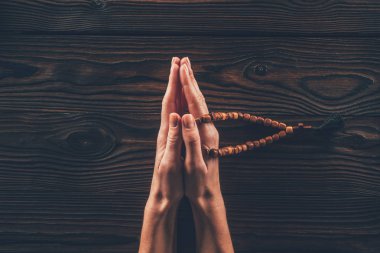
{"type": "Point", "coordinates": [192, 141]}
{"type": "Point", "coordinates": [170, 98]}
{"type": "Point", "coordinates": [194, 97]}
{"type": "Point", "coordinates": [174, 139]}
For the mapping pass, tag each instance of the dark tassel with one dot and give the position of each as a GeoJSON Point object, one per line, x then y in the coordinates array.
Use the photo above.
{"type": "Point", "coordinates": [333, 122]}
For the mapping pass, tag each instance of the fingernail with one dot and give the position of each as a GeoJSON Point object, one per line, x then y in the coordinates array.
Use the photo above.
{"type": "Point", "coordinates": [188, 62]}
{"type": "Point", "coordinates": [173, 120]}
{"type": "Point", "coordinates": [188, 121]}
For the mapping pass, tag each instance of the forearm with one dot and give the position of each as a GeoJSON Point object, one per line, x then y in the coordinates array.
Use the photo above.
{"type": "Point", "coordinates": [212, 232]}
{"type": "Point", "coordinates": [159, 227]}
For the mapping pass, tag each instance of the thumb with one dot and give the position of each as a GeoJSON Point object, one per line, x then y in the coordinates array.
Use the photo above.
{"type": "Point", "coordinates": [174, 139]}
{"type": "Point", "coordinates": [192, 141]}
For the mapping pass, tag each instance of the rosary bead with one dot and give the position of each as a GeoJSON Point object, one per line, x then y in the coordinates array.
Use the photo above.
{"type": "Point", "coordinates": [220, 152]}
{"type": "Point", "coordinates": [250, 145]}
{"type": "Point", "coordinates": [269, 139]}
{"type": "Point", "coordinates": [235, 115]}
{"type": "Point", "coordinates": [246, 116]}
{"type": "Point", "coordinates": [198, 120]}
{"type": "Point", "coordinates": [275, 137]}
{"type": "Point", "coordinates": [240, 148]}
{"type": "Point", "coordinates": [289, 130]}
{"type": "Point", "coordinates": [224, 116]}
{"type": "Point", "coordinates": [282, 126]}
{"type": "Point", "coordinates": [230, 150]}
{"type": "Point", "coordinates": [253, 118]}
{"type": "Point", "coordinates": [240, 115]}
{"type": "Point", "coordinates": [262, 142]}
{"type": "Point", "coordinates": [257, 144]}
{"type": "Point", "coordinates": [244, 146]}
{"type": "Point", "coordinates": [230, 115]}
{"type": "Point", "coordinates": [260, 120]}
{"type": "Point", "coordinates": [213, 152]}
{"type": "Point", "coordinates": [267, 122]}
{"type": "Point", "coordinates": [274, 123]}
{"type": "Point", "coordinates": [282, 134]}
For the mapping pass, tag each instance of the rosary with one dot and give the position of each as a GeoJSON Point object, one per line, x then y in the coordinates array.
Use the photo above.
{"type": "Point", "coordinates": [333, 121]}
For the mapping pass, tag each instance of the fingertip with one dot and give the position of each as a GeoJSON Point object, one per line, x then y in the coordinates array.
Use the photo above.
{"type": "Point", "coordinates": [175, 60]}
{"type": "Point", "coordinates": [174, 119]}
{"type": "Point", "coordinates": [188, 121]}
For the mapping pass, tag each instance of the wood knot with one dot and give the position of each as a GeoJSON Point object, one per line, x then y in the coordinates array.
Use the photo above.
{"type": "Point", "coordinates": [98, 4]}
{"type": "Point", "coordinates": [91, 142]}
{"type": "Point", "coordinates": [261, 69]}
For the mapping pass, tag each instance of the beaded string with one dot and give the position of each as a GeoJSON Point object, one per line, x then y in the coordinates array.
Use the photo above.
{"type": "Point", "coordinates": [251, 144]}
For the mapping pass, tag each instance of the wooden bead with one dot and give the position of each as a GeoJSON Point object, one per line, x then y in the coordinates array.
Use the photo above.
{"type": "Point", "coordinates": [267, 122]}
{"type": "Point", "coordinates": [282, 134]}
{"type": "Point", "coordinates": [240, 115]}
{"type": "Point", "coordinates": [230, 150]}
{"type": "Point", "coordinates": [213, 152]}
{"type": "Point", "coordinates": [246, 116]}
{"type": "Point", "coordinates": [230, 115]}
{"type": "Point", "coordinates": [250, 145]}
{"type": "Point", "coordinates": [236, 150]}
{"type": "Point", "coordinates": [235, 115]}
{"type": "Point", "coordinates": [224, 116]}
{"type": "Point", "coordinates": [275, 123]}
{"type": "Point", "coordinates": [269, 139]}
{"type": "Point", "coordinates": [244, 146]}
{"type": "Point", "coordinates": [260, 120]}
{"type": "Point", "coordinates": [225, 151]}
{"type": "Point", "coordinates": [275, 137]}
{"type": "Point", "coordinates": [282, 126]}
{"type": "Point", "coordinates": [253, 118]}
{"type": "Point", "coordinates": [262, 142]}
{"type": "Point", "coordinates": [257, 144]}
{"type": "Point", "coordinates": [240, 148]}
{"type": "Point", "coordinates": [289, 130]}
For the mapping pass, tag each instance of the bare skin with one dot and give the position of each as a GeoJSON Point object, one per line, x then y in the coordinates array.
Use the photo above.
{"type": "Point", "coordinates": [197, 177]}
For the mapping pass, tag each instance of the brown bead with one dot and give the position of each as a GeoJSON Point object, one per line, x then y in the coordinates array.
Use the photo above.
{"type": "Point", "coordinates": [262, 142]}
{"type": "Point", "coordinates": [260, 120]}
{"type": "Point", "coordinates": [240, 148]}
{"type": "Point", "coordinates": [220, 152]}
{"type": "Point", "coordinates": [250, 145]}
{"type": "Point", "coordinates": [224, 116]}
{"type": "Point", "coordinates": [225, 151]}
{"type": "Point", "coordinates": [246, 116]}
{"type": "Point", "coordinates": [198, 120]}
{"type": "Point", "coordinates": [244, 146]}
{"type": "Point", "coordinates": [269, 139]}
{"type": "Point", "coordinates": [213, 152]}
{"type": "Point", "coordinates": [267, 122]}
{"type": "Point", "coordinates": [240, 115]}
{"type": "Point", "coordinates": [275, 123]}
{"type": "Point", "coordinates": [236, 150]}
{"type": "Point", "coordinates": [275, 137]}
{"type": "Point", "coordinates": [253, 118]}
{"type": "Point", "coordinates": [230, 150]}
{"type": "Point", "coordinates": [282, 134]}
{"type": "Point", "coordinates": [230, 115]}
{"type": "Point", "coordinates": [257, 144]}
{"type": "Point", "coordinates": [282, 126]}
{"type": "Point", "coordinates": [235, 115]}
{"type": "Point", "coordinates": [289, 130]}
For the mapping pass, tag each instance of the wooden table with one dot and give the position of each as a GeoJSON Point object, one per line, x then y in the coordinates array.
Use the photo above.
{"type": "Point", "coordinates": [81, 84]}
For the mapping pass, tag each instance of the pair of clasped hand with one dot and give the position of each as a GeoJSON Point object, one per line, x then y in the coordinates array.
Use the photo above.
{"type": "Point", "coordinates": [196, 176]}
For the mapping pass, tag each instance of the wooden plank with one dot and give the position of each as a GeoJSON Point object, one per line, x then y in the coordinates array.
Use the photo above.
{"type": "Point", "coordinates": [287, 76]}
{"type": "Point", "coordinates": [210, 17]}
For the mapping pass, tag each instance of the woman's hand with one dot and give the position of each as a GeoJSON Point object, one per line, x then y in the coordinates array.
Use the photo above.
{"type": "Point", "coordinates": [159, 226]}
{"type": "Point", "coordinates": [202, 185]}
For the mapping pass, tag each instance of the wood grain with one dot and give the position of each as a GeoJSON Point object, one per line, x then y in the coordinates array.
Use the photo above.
{"type": "Point", "coordinates": [80, 180]}
{"type": "Point", "coordinates": [211, 17]}
{"type": "Point", "coordinates": [287, 76]}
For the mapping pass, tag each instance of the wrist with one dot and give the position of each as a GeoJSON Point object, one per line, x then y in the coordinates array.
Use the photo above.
{"type": "Point", "coordinates": [160, 206]}
{"type": "Point", "coordinates": [208, 203]}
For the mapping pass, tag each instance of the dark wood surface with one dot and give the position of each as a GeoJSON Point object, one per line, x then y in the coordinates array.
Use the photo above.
{"type": "Point", "coordinates": [79, 114]}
